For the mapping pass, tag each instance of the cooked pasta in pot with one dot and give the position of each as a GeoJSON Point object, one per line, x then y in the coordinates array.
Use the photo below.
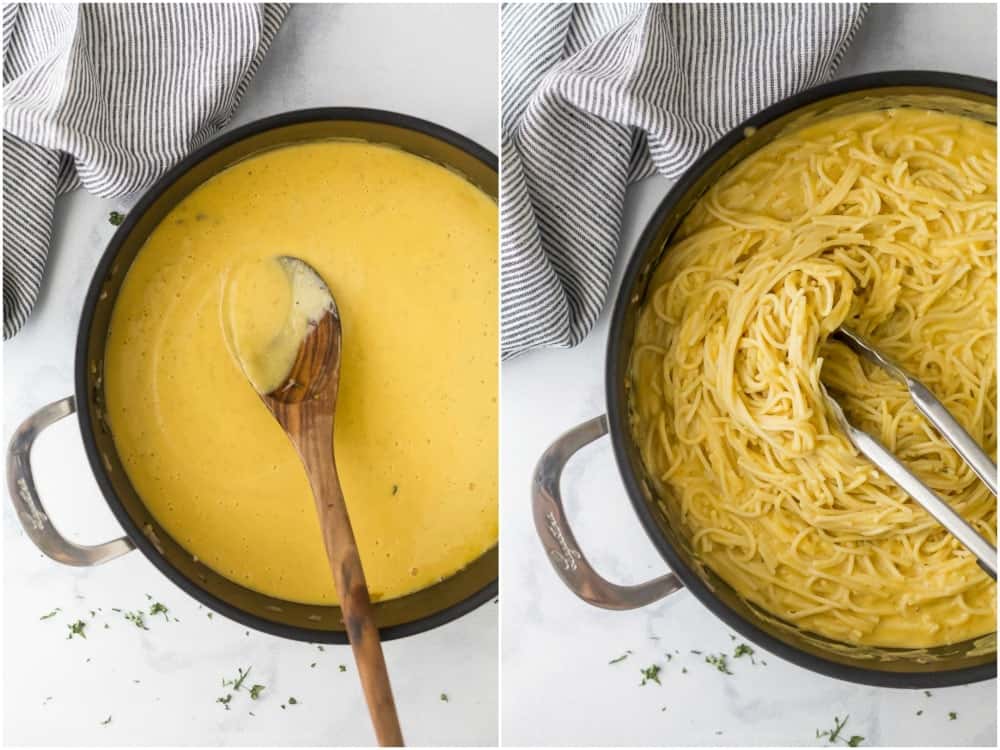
{"type": "Point", "coordinates": [886, 222]}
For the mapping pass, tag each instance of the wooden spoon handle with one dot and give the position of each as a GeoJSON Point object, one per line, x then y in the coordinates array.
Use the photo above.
{"type": "Point", "coordinates": [349, 578]}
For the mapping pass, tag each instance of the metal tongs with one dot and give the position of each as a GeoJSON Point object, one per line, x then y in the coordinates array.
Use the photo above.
{"type": "Point", "coordinates": [950, 430]}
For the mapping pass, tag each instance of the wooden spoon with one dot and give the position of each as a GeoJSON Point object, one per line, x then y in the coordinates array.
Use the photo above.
{"type": "Point", "coordinates": [304, 405]}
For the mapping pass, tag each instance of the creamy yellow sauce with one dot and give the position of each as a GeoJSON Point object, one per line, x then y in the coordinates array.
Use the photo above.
{"type": "Point", "coordinates": [884, 222]}
{"type": "Point", "coordinates": [409, 251]}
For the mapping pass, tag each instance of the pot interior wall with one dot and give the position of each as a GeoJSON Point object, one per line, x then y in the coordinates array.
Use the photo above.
{"type": "Point", "coordinates": [753, 623]}
{"type": "Point", "coordinates": [439, 603]}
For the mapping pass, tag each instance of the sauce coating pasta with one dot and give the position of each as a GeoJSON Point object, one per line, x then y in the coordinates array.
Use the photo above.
{"type": "Point", "coordinates": [886, 222]}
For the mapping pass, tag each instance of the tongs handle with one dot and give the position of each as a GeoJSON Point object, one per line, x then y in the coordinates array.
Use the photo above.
{"type": "Point", "coordinates": [972, 540]}
{"type": "Point", "coordinates": [954, 433]}
{"type": "Point", "coordinates": [934, 410]}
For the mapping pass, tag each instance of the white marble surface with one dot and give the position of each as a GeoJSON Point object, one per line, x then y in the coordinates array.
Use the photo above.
{"type": "Point", "coordinates": [557, 685]}
{"type": "Point", "coordinates": [435, 62]}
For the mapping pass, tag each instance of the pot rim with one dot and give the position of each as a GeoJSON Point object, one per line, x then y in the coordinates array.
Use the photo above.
{"type": "Point", "coordinates": [84, 412]}
{"type": "Point", "coordinates": [618, 418]}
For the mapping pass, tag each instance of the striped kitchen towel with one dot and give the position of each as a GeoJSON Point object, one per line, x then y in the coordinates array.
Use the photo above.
{"type": "Point", "coordinates": [595, 96]}
{"type": "Point", "coordinates": [110, 96]}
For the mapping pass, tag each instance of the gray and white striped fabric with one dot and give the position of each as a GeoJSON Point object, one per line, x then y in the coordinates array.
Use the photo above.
{"type": "Point", "coordinates": [595, 96]}
{"type": "Point", "coordinates": [110, 96]}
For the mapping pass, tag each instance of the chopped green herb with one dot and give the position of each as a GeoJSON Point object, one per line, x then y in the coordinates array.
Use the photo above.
{"type": "Point", "coordinates": [928, 693]}
{"type": "Point", "coordinates": [684, 670]}
{"type": "Point", "coordinates": [312, 666]}
{"type": "Point", "coordinates": [444, 697]}
{"type": "Point", "coordinates": [663, 709]}
{"type": "Point", "coordinates": [920, 713]}
{"type": "Point", "coordinates": [209, 615]}
{"type": "Point", "coordinates": [343, 668]}
{"type": "Point", "coordinates": [743, 650]}
{"type": "Point", "coordinates": [699, 653]}
{"type": "Point", "coordinates": [116, 218]}
{"type": "Point", "coordinates": [395, 489]}
{"type": "Point", "coordinates": [224, 700]}
{"type": "Point", "coordinates": [952, 715]}
{"type": "Point", "coordinates": [650, 674]}
{"type": "Point", "coordinates": [292, 701]}
{"type": "Point", "coordinates": [77, 628]}
{"type": "Point", "coordinates": [719, 661]}
{"type": "Point", "coordinates": [53, 613]}
{"type": "Point", "coordinates": [669, 656]}
{"type": "Point", "coordinates": [321, 648]}
{"type": "Point", "coordinates": [834, 734]}
{"type": "Point", "coordinates": [159, 609]}
{"type": "Point", "coordinates": [106, 721]}
{"type": "Point", "coordinates": [238, 682]}
{"type": "Point", "coordinates": [255, 691]}
{"type": "Point", "coordinates": [621, 658]}
{"type": "Point", "coordinates": [137, 619]}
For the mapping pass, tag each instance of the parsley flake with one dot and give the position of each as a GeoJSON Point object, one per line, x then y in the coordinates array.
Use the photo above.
{"type": "Point", "coordinates": [650, 674]}
{"type": "Point", "coordinates": [833, 735]}
{"type": "Point", "coordinates": [237, 683]}
{"type": "Point", "coordinates": [159, 609]}
{"type": "Point", "coordinates": [137, 619]}
{"type": "Point", "coordinates": [720, 662]}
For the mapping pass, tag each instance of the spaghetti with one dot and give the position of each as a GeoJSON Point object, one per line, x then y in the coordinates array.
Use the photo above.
{"type": "Point", "coordinates": [884, 221]}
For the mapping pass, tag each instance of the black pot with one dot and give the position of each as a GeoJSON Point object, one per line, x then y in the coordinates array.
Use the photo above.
{"type": "Point", "coordinates": [396, 618]}
{"type": "Point", "coordinates": [962, 663]}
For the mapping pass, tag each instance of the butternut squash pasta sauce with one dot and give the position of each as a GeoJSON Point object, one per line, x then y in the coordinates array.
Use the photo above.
{"type": "Point", "coordinates": [885, 222]}
{"type": "Point", "coordinates": [409, 251]}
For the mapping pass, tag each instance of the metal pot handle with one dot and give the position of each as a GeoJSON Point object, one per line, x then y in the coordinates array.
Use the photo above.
{"type": "Point", "coordinates": [559, 542]}
{"type": "Point", "coordinates": [21, 485]}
